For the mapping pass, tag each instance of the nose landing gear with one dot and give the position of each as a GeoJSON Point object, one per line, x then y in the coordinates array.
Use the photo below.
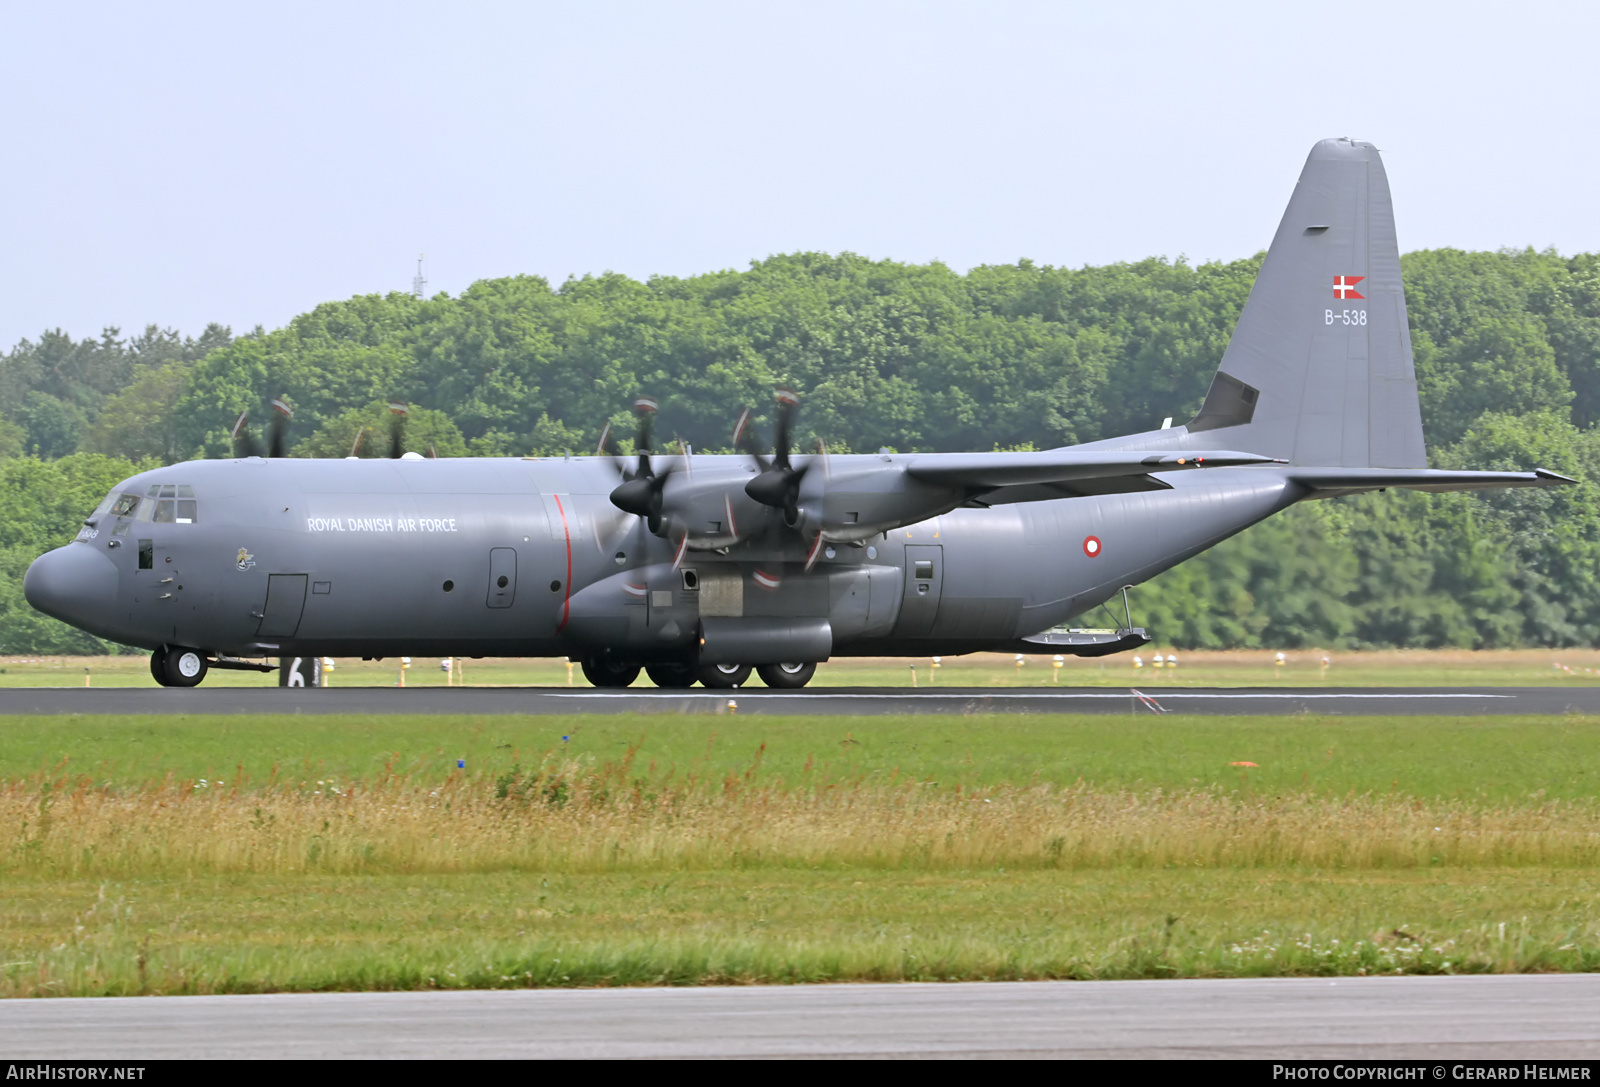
{"type": "Point", "coordinates": [177, 666]}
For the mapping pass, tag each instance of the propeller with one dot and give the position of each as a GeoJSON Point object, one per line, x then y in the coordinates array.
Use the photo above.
{"type": "Point", "coordinates": [777, 484]}
{"type": "Point", "coordinates": [245, 444]}
{"type": "Point", "coordinates": [780, 483]}
{"type": "Point", "coordinates": [398, 411]}
{"type": "Point", "coordinates": [282, 415]}
{"type": "Point", "coordinates": [640, 492]}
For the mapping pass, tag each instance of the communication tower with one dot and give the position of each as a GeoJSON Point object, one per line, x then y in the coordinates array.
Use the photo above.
{"type": "Point", "coordinates": [419, 285]}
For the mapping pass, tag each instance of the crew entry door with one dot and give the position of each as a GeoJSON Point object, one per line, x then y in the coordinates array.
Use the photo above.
{"type": "Point", "coordinates": [286, 599]}
{"type": "Point", "coordinates": [502, 577]}
{"type": "Point", "coordinates": [924, 579]}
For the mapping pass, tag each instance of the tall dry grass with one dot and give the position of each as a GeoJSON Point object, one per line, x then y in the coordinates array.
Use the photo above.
{"type": "Point", "coordinates": [575, 816]}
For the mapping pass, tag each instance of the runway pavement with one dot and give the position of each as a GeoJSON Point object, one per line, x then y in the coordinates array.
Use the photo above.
{"type": "Point", "coordinates": [1433, 1019]}
{"type": "Point", "coordinates": [825, 701]}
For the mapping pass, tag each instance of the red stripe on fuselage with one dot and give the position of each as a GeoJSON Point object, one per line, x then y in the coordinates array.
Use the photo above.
{"type": "Point", "coordinates": [566, 586]}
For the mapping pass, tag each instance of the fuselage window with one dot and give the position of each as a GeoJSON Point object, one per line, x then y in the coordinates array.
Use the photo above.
{"type": "Point", "coordinates": [147, 554]}
{"type": "Point", "coordinates": [924, 570]}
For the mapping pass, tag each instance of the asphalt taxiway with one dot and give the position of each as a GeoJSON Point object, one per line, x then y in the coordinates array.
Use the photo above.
{"type": "Point", "coordinates": [820, 701]}
{"type": "Point", "coordinates": [1432, 1019]}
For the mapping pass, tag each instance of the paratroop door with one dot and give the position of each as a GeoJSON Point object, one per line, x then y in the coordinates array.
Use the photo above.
{"type": "Point", "coordinates": [924, 581]}
{"type": "Point", "coordinates": [502, 577]}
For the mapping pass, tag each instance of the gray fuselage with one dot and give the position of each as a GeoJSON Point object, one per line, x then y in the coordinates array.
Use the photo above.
{"type": "Point", "coordinates": [528, 557]}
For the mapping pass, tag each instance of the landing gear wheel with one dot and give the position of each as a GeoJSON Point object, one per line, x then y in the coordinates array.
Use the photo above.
{"type": "Point", "coordinates": [677, 676]}
{"type": "Point", "coordinates": [604, 672]}
{"type": "Point", "coordinates": [724, 677]}
{"type": "Point", "coordinates": [787, 676]}
{"type": "Point", "coordinates": [158, 665]}
{"type": "Point", "coordinates": [182, 667]}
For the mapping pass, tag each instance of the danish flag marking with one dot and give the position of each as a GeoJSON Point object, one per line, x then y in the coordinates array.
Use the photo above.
{"type": "Point", "coordinates": [1345, 287]}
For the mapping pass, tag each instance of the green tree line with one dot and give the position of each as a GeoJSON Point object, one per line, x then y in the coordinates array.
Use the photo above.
{"type": "Point", "coordinates": [915, 358]}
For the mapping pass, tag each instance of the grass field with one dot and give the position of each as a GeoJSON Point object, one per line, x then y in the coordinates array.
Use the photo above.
{"type": "Point", "coordinates": [1230, 668]}
{"type": "Point", "coordinates": [239, 854]}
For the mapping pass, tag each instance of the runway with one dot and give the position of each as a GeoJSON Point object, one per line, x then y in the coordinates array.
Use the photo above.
{"type": "Point", "coordinates": [1549, 1017]}
{"type": "Point", "coordinates": [822, 701]}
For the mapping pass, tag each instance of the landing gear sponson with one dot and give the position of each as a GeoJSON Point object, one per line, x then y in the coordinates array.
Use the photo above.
{"type": "Point", "coordinates": [608, 672]}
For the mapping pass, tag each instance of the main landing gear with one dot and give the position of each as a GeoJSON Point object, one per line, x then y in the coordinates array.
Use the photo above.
{"type": "Point", "coordinates": [605, 672]}
{"type": "Point", "coordinates": [787, 676]}
{"type": "Point", "coordinates": [177, 666]}
{"type": "Point", "coordinates": [609, 672]}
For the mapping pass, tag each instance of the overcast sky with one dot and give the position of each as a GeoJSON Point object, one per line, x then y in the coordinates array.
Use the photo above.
{"type": "Point", "coordinates": [240, 163]}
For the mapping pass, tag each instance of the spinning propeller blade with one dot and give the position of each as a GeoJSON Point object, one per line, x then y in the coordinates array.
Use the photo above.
{"type": "Point", "coordinates": [398, 410]}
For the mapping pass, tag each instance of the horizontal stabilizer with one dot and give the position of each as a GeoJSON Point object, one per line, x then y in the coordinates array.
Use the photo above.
{"type": "Point", "coordinates": [1328, 481]}
{"type": "Point", "coordinates": [986, 471]}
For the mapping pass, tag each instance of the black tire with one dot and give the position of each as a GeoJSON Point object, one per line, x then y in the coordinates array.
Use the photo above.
{"type": "Point", "coordinates": [158, 665]}
{"type": "Point", "coordinates": [787, 676]}
{"type": "Point", "coordinates": [724, 677]}
{"type": "Point", "coordinates": [674, 676]}
{"type": "Point", "coordinates": [605, 672]}
{"type": "Point", "coordinates": [183, 667]}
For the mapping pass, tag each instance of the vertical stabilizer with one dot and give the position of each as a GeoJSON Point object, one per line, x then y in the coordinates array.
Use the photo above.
{"type": "Point", "coordinates": [1319, 368]}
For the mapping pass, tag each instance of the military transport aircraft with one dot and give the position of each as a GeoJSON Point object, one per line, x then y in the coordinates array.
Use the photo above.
{"type": "Point", "coordinates": [700, 568]}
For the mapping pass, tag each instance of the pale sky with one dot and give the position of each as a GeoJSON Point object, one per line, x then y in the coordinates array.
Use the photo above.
{"type": "Point", "coordinates": [240, 163]}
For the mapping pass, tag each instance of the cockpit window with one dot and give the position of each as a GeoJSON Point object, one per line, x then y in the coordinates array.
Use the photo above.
{"type": "Point", "coordinates": [170, 504]}
{"type": "Point", "coordinates": [125, 504]}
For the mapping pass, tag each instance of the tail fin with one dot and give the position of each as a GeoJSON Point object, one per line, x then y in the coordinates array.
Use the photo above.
{"type": "Point", "coordinates": [1319, 369]}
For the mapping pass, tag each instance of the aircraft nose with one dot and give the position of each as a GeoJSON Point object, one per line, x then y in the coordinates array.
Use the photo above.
{"type": "Point", "coordinates": [76, 584]}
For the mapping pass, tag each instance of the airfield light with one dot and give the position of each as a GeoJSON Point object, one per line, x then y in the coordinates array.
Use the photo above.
{"type": "Point", "coordinates": [1056, 664]}
{"type": "Point", "coordinates": [933, 669]}
{"type": "Point", "coordinates": [1138, 662]}
{"type": "Point", "coordinates": [913, 675]}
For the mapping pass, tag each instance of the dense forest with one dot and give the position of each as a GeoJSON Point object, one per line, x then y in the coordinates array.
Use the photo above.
{"type": "Point", "coordinates": [912, 357]}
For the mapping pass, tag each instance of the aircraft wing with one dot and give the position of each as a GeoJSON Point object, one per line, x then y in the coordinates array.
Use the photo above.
{"type": "Point", "coordinates": [995, 478]}
{"type": "Point", "coordinates": [1353, 480]}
